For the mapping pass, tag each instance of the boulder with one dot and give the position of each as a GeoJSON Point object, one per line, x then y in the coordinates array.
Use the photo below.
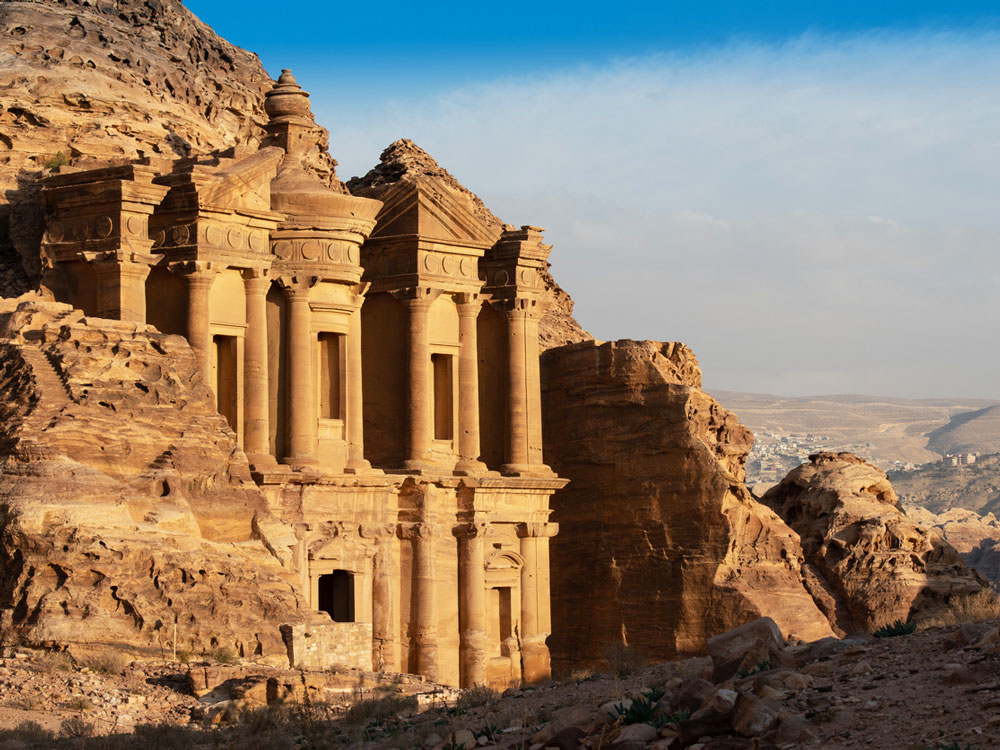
{"type": "Point", "coordinates": [880, 564]}
{"type": "Point", "coordinates": [746, 648]}
{"type": "Point", "coordinates": [753, 717]}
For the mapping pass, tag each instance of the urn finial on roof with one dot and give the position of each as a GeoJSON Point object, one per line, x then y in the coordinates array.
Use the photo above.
{"type": "Point", "coordinates": [287, 102]}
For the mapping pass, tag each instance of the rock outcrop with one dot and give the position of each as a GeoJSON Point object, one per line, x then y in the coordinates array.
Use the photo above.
{"type": "Point", "coordinates": [975, 537]}
{"type": "Point", "coordinates": [880, 565]}
{"type": "Point", "coordinates": [405, 161]}
{"type": "Point", "coordinates": [126, 506]}
{"type": "Point", "coordinates": [90, 84]}
{"type": "Point", "coordinates": [660, 546]}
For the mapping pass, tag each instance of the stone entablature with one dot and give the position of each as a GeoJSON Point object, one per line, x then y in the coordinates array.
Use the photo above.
{"type": "Point", "coordinates": [377, 359]}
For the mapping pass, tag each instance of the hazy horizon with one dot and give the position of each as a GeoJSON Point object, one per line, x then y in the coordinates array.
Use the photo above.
{"type": "Point", "coordinates": [808, 204]}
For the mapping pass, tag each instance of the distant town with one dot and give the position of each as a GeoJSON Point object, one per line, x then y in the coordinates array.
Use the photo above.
{"type": "Point", "coordinates": [774, 455]}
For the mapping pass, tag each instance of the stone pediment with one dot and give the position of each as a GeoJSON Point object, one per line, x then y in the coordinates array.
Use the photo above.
{"type": "Point", "coordinates": [433, 211]}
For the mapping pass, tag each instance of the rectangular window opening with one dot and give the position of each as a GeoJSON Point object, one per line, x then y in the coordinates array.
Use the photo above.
{"type": "Point", "coordinates": [336, 595]}
{"type": "Point", "coordinates": [444, 407]}
{"type": "Point", "coordinates": [329, 375]}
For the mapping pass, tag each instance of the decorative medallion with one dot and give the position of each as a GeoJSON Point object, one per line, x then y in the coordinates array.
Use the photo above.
{"type": "Point", "coordinates": [282, 249]}
{"type": "Point", "coordinates": [135, 225]}
{"type": "Point", "coordinates": [447, 264]}
{"type": "Point", "coordinates": [501, 279]}
{"type": "Point", "coordinates": [180, 235]}
{"type": "Point", "coordinates": [213, 235]}
{"type": "Point", "coordinates": [526, 277]}
{"type": "Point", "coordinates": [256, 240]}
{"type": "Point", "coordinates": [55, 231]}
{"type": "Point", "coordinates": [235, 238]}
{"type": "Point", "coordinates": [431, 263]}
{"type": "Point", "coordinates": [104, 226]}
{"type": "Point", "coordinates": [81, 230]}
{"type": "Point", "coordinates": [309, 250]}
{"type": "Point", "coordinates": [353, 254]}
{"type": "Point", "coordinates": [467, 266]}
{"type": "Point", "coordinates": [334, 253]}
{"type": "Point", "coordinates": [159, 237]}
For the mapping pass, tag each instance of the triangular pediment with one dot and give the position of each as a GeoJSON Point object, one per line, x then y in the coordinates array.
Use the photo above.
{"type": "Point", "coordinates": [432, 210]}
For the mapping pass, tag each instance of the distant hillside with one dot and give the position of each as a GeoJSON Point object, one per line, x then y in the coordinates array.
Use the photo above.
{"type": "Point", "coordinates": [940, 488]}
{"type": "Point", "coordinates": [970, 432]}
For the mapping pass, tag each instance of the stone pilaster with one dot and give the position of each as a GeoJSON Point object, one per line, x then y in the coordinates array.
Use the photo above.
{"type": "Point", "coordinates": [385, 600]}
{"type": "Point", "coordinates": [423, 615]}
{"type": "Point", "coordinates": [419, 379]}
{"type": "Point", "coordinates": [472, 603]}
{"type": "Point", "coordinates": [517, 390]}
{"type": "Point", "coordinates": [200, 277]}
{"type": "Point", "coordinates": [469, 306]}
{"type": "Point", "coordinates": [355, 397]}
{"type": "Point", "coordinates": [302, 417]}
{"type": "Point", "coordinates": [121, 289]}
{"type": "Point", "coordinates": [535, 612]}
{"type": "Point", "coordinates": [256, 410]}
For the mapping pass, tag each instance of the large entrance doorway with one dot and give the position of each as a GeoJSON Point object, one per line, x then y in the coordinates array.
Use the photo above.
{"type": "Point", "coordinates": [336, 595]}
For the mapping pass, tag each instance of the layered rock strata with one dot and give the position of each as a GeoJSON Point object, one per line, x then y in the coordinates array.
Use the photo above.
{"type": "Point", "coordinates": [91, 84]}
{"type": "Point", "coordinates": [661, 546]}
{"type": "Point", "coordinates": [880, 565]}
{"type": "Point", "coordinates": [128, 517]}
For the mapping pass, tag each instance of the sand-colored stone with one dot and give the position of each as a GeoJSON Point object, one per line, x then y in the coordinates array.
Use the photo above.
{"type": "Point", "coordinates": [352, 346]}
{"type": "Point", "coordinates": [880, 565]}
{"type": "Point", "coordinates": [656, 520]}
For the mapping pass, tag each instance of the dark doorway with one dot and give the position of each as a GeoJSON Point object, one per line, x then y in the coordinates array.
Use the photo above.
{"type": "Point", "coordinates": [336, 595]}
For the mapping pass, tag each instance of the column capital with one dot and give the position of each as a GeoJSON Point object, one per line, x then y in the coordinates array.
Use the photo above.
{"type": "Point", "coordinates": [377, 531]}
{"type": "Point", "coordinates": [477, 529]}
{"type": "Point", "coordinates": [256, 274]}
{"type": "Point", "coordinates": [469, 303]}
{"type": "Point", "coordinates": [297, 284]}
{"type": "Point", "coordinates": [196, 271]}
{"type": "Point", "coordinates": [417, 296]}
{"type": "Point", "coordinates": [416, 531]}
{"type": "Point", "coordinates": [541, 530]}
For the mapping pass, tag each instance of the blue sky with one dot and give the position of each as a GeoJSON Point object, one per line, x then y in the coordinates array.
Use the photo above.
{"type": "Point", "coordinates": [805, 193]}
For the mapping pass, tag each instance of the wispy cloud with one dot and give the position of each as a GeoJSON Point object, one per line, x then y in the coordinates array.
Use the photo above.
{"type": "Point", "coordinates": [812, 217]}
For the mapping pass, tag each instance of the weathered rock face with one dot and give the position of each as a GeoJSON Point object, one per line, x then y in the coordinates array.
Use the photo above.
{"type": "Point", "coordinates": [90, 84]}
{"type": "Point", "coordinates": [125, 503]}
{"type": "Point", "coordinates": [660, 544]}
{"type": "Point", "coordinates": [880, 565]}
{"type": "Point", "coordinates": [405, 161]}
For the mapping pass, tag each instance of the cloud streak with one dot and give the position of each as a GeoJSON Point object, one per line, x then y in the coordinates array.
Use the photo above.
{"type": "Point", "coordinates": [815, 217]}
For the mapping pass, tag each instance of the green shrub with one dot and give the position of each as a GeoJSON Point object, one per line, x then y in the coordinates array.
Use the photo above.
{"type": "Point", "coordinates": [224, 655]}
{"type": "Point", "coordinates": [641, 711]}
{"type": "Point", "coordinates": [59, 160]}
{"type": "Point", "coordinates": [896, 629]}
{"type": "Point", "coordinates": [762, 666]}
{"type": "Point", "coordinates": [76, 727]}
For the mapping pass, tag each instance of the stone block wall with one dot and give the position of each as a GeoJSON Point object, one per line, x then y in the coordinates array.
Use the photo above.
{"type": "Point", "coordinates": [322, 645]}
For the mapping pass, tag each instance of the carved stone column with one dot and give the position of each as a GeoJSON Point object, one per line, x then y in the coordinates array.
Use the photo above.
{"type": "Point", "coordinates": [121, 289]}
{"type": "Point", "coordinates": [517, 391]}
{"type": "Point", "coordinates": [535, 613]}
{"type": "Point", "coordinates": [200, 278]}
{"type": "Point", "coordinates": [420, 386]}
{"type": "Point", "coordinates": [423, 615]}
{"type": "Point", "coordinates": [385, 600]}
{"type": "Point", "coordinates": [472, 605]}
{"type": "Point", "coordinates": [302, 418]}
{"type": "Point", "coordinates": [469, 306]}
{"type": "Point", "coordinates": [256, 410]}
{"type": "Point", "coordinates": [355, 398]}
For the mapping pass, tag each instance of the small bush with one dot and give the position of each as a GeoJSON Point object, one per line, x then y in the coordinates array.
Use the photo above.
{"type": "Point", "coordinates": [76, 727]}
{"type": "Point", "coordinates": [762, 666]}
{"type": "Point", "coordinates": [622, 659]}
{"type": "Point", "coordinates": [224, 655]}
{"type": "Point", "coordinates": [54, 661]}
{"type": "Point", "coordinates": [641, 711]}
{"type": "Point", "coordinates": [474, 697]}
{"type": "Point", "coordinates": [105, 662]}
{"type": "Point", "coordinates": [79, 703]}
{"type": "Point", "coordinates": [59, 160]}
{"type": "Point", "coordinates": [581, 675]}
{"type": "Point", "coordinates": [185, 657]}
{"type": "Point", "coordinates": [982, 605]}
{"type": "Point", "coordinates": [28, 732]}
{"type": "Point", "coordinates": [379, 709]}
{"type": "Point", "coordinates": [896, 629]}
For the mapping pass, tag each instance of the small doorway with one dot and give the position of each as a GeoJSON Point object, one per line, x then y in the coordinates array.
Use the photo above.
{"type": "Point", "coordinates": [226, 388]}
{"type": "Point", "coordinates": [336, 595]}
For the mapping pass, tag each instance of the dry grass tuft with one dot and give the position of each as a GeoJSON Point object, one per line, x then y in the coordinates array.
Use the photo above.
{"type": "Point", "coordinates": [379, 709]}
{"type": "Point", "coordinates": [105, 662]}
{"type": "Point", "coordinates": [477, 696]}
{"type": "Point", "coordinates": [622, 659]}
{"type": "Point", "coordinates": [978, 607]}
{"type": "Point", "coordinates": [54, 661]}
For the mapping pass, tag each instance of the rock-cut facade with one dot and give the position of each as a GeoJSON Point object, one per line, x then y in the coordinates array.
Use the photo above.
{"type": "Point", "coordinates": [376, 357]}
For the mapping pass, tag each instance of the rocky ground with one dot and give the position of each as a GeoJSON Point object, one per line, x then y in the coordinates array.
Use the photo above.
{"type": "Point", "coordinates": [935, 689]}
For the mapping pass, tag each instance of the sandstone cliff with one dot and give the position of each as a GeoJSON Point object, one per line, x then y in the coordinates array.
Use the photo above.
{"type": "Point", "coordinates": [88, 84]}
{"type": "Point", "coordinates": [660, 546]}
{"type": "Point", "coordinates": [405, 161]}
{"type": "Point", "coordinates": [880, 564]}
{"type": "Point", "coordinates": [126, 505]}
